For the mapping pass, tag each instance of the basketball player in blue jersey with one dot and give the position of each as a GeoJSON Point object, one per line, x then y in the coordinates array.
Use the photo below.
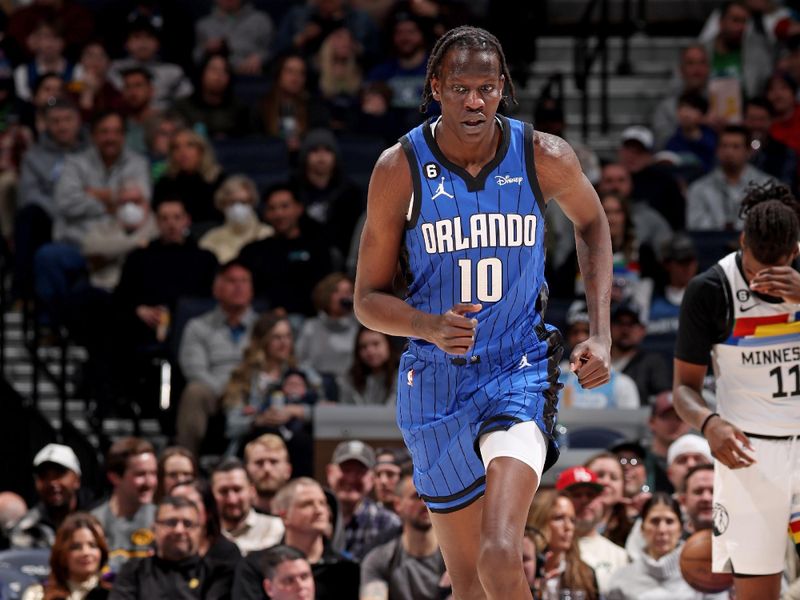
{"type": "Point", "coordinates": [459, 203]}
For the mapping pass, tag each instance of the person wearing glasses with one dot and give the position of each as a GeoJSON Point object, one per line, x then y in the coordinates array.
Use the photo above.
{"type": "Point", "coordinates": [176, 570]}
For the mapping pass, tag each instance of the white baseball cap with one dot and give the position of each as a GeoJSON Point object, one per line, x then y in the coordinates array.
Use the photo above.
{"type": "Point", "coordinates": [638, 133]}
{"type": "Point", "coordinates": [58, 454]}
{"type": "Point", "coordinates": [689, 443]}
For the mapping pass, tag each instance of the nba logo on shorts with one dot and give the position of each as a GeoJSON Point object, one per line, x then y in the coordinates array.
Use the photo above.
{"type": "Point", "coordinates": [410, 377]}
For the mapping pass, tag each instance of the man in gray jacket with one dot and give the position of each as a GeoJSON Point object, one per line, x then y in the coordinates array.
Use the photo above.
{"type": "Point", "coordinates": [84, 195]}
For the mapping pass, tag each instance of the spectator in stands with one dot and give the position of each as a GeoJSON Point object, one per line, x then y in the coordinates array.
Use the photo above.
{"type": "Point", "coordinates": [601, 554]}
{"type": "Point", "coordinates": [269, 393]}
{"type": "Point", "coordinates": [657, 568]}
{"type": "Point", "coordinates": [340, 78]}
{"type": "Point", "coordinates": [631, 455]}
{"type": "Point", "coordinates": [176, 565]}
{"type": "Point", "coordinates": [287, 574]}
{"type": "Point", "coordinates": [127, 516]}
{"type": "Point", "coordinates": [236, 198]}
{"type": "Point", "coordinates": [713, 200]}
{"type": "Point", "coordinates": [219, 553]}
{"type": "Point", "coordinates": [12, 509]}
{"type": "Point", "coordinates": [549, 118]}
{"type": "Point", "coordinates": [326, 341]}
{"type": "Point", "coordinates": [652, 183]}
{"type": "Point", "coordinates": [410, 565]}
{"type": "Point", "coordinates": [693, 141]}
{"type": "Point", "coordinates": [614, 521]}
{"type": "Point", "coordinates": [77, 560]}
{"type": "Point", "coordinates": [306, 26]}
{"type": "Point", "coordinates": [649, 370]}
{"type": "Point", "coordinates": [619, 392]}
{"type": "Point", "coordinates": [31, 114]}
{"type": "Point", "coordinates": [210, 348]}
{"type": "Point", "coordinates": [372, 377]}
{"type": "Point", "coordinates": [781, 92]}
{"type": "Point", "coordinates": [142, 45]}
{"type": "Point", "coordinates": [389, 465]}
{"type": "Point", "coordinates": [404, 72]}
{"type": "Point", "coordinates": [330, 197]}
{"type": "Point", "coordinates": [155, 277]}
{"type": "Point", "coordinates": [176, 465]}
{"type": "Point", "coordinates": [106, 244]}
{"type": "Point", "coordinates": [287, 265]}
{"type": "Point", "coordinates": [15, 140]}
{"type": "Point", "coordinates": [694, 70]}
{"type": "Point", "coordinates": [679, 260]}
{"type": "Point", "coordinates": [374, 116]}
{"type": "Point", "coordinates": [42, 165]}
{"type": "Point", "coordinates": [159, 133]}
{"type": "Point", "coordinates": [551, 526]}
{"type": "Point", "coordinates": [791, 60]}
{"type": "Point", "coordinates": [235, 25]}
{"type": "Point", "coordinates": [266, 460]}
{"type": "Point", "coordinates": [768, 154]}
{"type": "Point", "coordinates": [75, 20]}
{"type": "Point", "coordinates": [302, 506]}
{"type": "Point", "coordinates": [725, 46]}
{"type": "Point", "coordinates": [666, 427]}
{"type": "Point", "coordinates": [46, 44]}
{"type": "Point", "coordinates": [697, 499]}
{"type": "Point", "coordinates": [289, 110]}
{"type": "Point", "coordinates": [193, 175]}
{"type": "Point", "coordinates": [687, 451]}
{"type": "Point", "coordinates": [84, 195]}
{"type": "Point", "coordinates": [241, 524]}
{"type": "Point", "coordinates": [361, 520]}
{"type": "Point", "coordinates": [137, 96]}
{"type": "Point", "coordinates": [213, 107]}
{"type": "Point", "coordinates": [90, 85]}
{"type": "Point", "coordinates": [57, 477]}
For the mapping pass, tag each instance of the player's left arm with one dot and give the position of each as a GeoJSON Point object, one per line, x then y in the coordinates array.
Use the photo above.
{"type": "Point", "coordinates": [561, 179]}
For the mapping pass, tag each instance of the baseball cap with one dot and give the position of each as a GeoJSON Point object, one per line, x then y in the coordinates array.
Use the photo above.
{"type": "Point", "coordinates": [625, 308]}
{"type": "Point", "coordinates": [57, 454]}
{"type": "Point", "coordinates": [354, 450]}
{"type": "Point", "coordinates": [662, 403]}
{"type": "Point", "coordinates": [397, 457]}
{"type": "Point", "coordinates": [679, 247]}
{"type": "Point", "coordinates": [689, 443]}
{"type": "Point", "coordinates": [638, 133]}
{"type": "Point", "coordinates": [628, 446]}
{"type": "Point", "coordinates": [577, 313]}
{"type": "Point", "coordinates": [578, 476]}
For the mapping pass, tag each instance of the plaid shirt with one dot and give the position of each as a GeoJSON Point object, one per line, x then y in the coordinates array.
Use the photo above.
{"type": "Point", "coordinates": [367, 524]}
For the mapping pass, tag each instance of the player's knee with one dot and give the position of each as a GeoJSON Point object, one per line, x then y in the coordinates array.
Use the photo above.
{"type": "Point", "coordinates": [500, 561]}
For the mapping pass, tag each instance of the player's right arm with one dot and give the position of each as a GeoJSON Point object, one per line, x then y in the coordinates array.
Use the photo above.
{"type": "Point", "coordinates": [376, 305]}
{"type": "Point", "coordinates": [697, 332]}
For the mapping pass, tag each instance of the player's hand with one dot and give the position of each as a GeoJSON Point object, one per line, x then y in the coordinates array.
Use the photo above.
{"type": "Point", "coordinates": [727, 442]}
{"type": "Point", "coordinates": [781, 282]}
{"type": "Point", "coordinates": [453, 331]}
{"type": "Point", "coordinates": [591, 362]}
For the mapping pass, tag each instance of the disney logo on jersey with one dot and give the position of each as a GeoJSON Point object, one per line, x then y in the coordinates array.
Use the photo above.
{"type": "Point", "coordinates": [505, 179]}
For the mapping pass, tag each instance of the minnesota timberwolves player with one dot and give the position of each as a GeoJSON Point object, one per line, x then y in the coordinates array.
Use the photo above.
{"type": "Point", "coordinates": [459, 202]}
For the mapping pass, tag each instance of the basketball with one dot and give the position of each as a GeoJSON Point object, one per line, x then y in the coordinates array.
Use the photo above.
{"type": "Point", "coordinates": [696, 565]}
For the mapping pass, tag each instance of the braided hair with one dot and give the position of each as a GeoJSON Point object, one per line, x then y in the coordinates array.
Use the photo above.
{"type": "Point", "coordinates": [471, 38]}
{"type": "Point", "coordinates": [771, 221]}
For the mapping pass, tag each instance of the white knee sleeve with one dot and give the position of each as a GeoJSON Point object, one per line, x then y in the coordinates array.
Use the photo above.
{"type": "Point", "coordinates": [523, 441]}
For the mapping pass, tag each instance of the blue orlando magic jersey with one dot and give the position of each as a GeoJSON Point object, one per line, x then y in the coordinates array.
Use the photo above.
{"type": "Point", "coordinates": [478, 239]}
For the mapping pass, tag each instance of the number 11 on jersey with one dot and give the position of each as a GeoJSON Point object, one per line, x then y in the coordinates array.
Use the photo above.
{"type": "Point", "coordinates": [488, 279]}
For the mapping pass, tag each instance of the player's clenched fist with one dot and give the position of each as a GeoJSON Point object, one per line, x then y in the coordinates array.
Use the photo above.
{"type": "Point", "coordinates": [453, 331]}
{"type": "Point", "coordinates": [591, 362]}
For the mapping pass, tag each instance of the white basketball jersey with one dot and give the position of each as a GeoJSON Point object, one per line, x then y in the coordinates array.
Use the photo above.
{"type": "Point", "coordinates": [758, 366]}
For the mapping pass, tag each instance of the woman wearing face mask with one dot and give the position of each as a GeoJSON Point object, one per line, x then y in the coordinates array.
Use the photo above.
{"type": "Point", "coordinates": [656, 575]}
{"type": "Point", "coordinates": [236, 198]}
{"type": "Point", "coordinates": [77, 558]}
{"type": "Point", "coordinates": [326, 341]}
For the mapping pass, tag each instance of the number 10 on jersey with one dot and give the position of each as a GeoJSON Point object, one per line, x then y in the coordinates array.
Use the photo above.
{"type": "Point", "coordinates": [488, 279]}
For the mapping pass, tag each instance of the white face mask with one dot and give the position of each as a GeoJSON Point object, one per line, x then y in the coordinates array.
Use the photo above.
{"type": "Point", "coordinates": [130, 214]}
{"type": "Point", "coordinates": [239, 214]}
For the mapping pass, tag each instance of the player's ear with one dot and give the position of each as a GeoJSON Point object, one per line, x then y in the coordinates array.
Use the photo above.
{"type": "Point", "coordinates": [436, 88]}
{"type": "Point", "coordinates": [502, 83]}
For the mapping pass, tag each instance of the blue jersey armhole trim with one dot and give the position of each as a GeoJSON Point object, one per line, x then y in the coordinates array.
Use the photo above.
{"type": "Point", "coordinates": [411, 157]}
{"type": "Point", "coordinates": [530, 168]}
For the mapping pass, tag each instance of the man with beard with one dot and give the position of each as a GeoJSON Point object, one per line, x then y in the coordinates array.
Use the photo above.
{"type": "Point", "coordinates": [600, 553]}
{"type": "Point", "coordinates": [176, 571]}
{"type": "Point", "coordinates": [266, 459]}
{"type": "Point", "coordinates": [241, 524]}
{"type": "Point", "coordinates": [57, 477]}
{"type": "Point", "coordinates": [361, 521]}
{"type": "Point", "coordinates": [127, 516]}
{"type": "Point", "coordinates": [684, 454]}
{"type": "Point", "coordinates": [410, 566]}
{"type": "Point", "coordinates": [306, 516]}
{"type": "Point", "coordinates": [697, 500]}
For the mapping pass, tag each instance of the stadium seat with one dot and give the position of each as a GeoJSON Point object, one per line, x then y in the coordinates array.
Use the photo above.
{"type": "Point", "coordinates": [13, 583]}
{"type": "Point", "coordinates": [359, 154]}
{"type": "Point", "coordinates": [250, 90]}
{"type": "Point", "coordinates": [265, 160]}
{"type": "Point", "coordinates": [713, 245]}
{"type": "Point", "coordinates": [33, 563]}
{"type": "Point", "coordinates": [593, 437]}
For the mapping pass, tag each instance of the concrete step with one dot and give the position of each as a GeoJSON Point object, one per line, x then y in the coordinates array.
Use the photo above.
{"type": "Point", "coordinates": [645, 50]}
